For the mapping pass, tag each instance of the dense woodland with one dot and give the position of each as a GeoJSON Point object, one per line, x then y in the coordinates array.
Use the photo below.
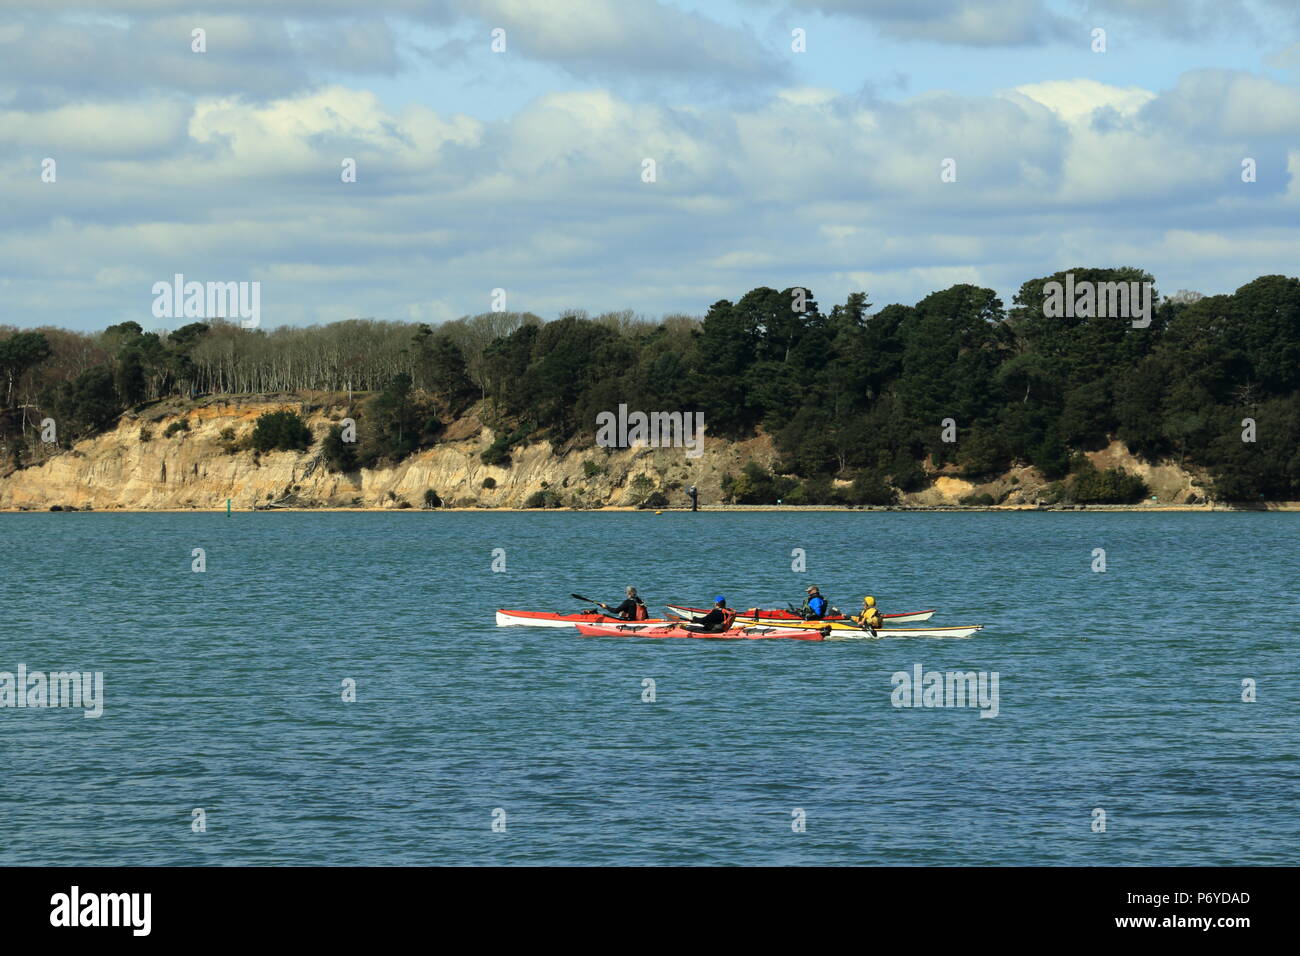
{"type": "Point", "coordinates": [845, 392]}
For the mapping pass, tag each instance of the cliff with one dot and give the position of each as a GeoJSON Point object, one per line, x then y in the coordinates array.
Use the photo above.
{"type": "Point", "coordinates": [137, 466]}
{"type": "Point", "coordinates": [193, 469]}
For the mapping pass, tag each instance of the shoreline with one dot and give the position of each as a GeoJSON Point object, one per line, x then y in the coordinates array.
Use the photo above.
{"type": "Point", "coordinates": [1267, 506]}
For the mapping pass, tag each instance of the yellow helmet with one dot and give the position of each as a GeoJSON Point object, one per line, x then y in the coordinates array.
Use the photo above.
{"type": "Point", "coordinates": [869, 601]}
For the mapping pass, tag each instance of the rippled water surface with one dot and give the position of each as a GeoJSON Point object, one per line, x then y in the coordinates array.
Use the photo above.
{"type": "Point", "coordinates": [1120, 691]}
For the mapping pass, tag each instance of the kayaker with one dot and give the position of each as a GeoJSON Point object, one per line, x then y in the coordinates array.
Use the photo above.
{"type": "Point", "coordinates": [815, 606]}
{"type": "Point", "coordinates": [632, 609]}
{"type": "Point", "coordinates": [717, 620]}
{"type": "Point", "coordinates": [870, 617]}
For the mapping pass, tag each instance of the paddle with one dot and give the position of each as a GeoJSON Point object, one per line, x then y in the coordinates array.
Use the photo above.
{"type": "Point", "coordinates": [861, 620]}
{"type": "Point", "coordinates": [579, 597]}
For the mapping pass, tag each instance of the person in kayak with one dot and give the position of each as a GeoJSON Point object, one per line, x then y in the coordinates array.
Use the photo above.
{"type": "Point", "coordinates": [815, 606]}
{"type": "Point", "coordinates": [632, 609]}
{"type": "Point", "coordinates": [717, 620]}
{"type": "Point", "coordinates": [870, 617]}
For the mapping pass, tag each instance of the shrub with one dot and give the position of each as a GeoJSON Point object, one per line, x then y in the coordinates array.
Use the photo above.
{"type": "Point", "coordinates": [1051, 457]}
{"type": "Point", "coordinates": [757, 486]}
{"type": "Point", "coordinates": [229, 444]}
{"type": "Point", "coordinates": [812, 491]}
{"type": "Point", "coordinates": [641, 489]}
{"type": "Point", "coordinates": [431, 499]}
{"type": "Point", "coordinates": [908, 474]}
{"type": "Point", "coordinates": [398, 423]}
{"type": "Point", "coordinates": [489, 482]}
{"type": "Point", "coordinates": [656, 500]}
{"type": "Point", "coordinates": [982, 500]}
{"type": "Point", "coordinates": [982, 453]}
{"type": "Point", "coordinates": [174, 427]}
{"type": "Point", "coordinates": [543, 499]}
{"type": "Point", "coordinates": [590, 469]}
{"type": "Point", "coordinates": [146, 434]}
{"type": "Point", "coordinates": [281, 431]}
{"type": "Point", "coordinates": [1112, 486]}
{"type": "Point", "coordinates": [869, 488]}
{"type": "Point", "coordinates": [339, 454]}
{"type": "Point", "coordinates": [498, 453]}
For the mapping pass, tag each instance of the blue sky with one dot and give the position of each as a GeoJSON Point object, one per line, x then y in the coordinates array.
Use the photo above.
{"type": "Point", "coordinates": [522, 170]}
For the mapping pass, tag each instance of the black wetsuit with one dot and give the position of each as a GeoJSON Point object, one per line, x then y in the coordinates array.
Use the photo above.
{"type": "Point", "coordinates": [712, 622]}
{"type": "Point", "coordinates": [627, 610]}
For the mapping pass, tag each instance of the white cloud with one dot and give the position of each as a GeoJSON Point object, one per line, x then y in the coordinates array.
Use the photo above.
{"type": "Point", "coordinates": [802, 188]}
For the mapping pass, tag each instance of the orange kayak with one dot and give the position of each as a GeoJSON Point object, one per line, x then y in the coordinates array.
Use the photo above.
{"type": "Point", "coordinates": [752, 633]}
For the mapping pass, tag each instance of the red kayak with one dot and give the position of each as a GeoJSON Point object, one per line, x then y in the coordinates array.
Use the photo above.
{"type": "Point", "coordinates": [753, 633]}
{"type": "Point", "coordinates": [555, 619]}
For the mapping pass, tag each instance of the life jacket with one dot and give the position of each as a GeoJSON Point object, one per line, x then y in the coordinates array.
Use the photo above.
{"type": "Point", "coordinates": [871, 617]}
{"type": "Point", "coordinates": [728, 618]}
{"type": "Point", "coordinates": [640, 614]}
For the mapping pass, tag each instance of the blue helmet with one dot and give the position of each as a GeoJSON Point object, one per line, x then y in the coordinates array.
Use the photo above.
{"type": "Point", "coordinates": [719, 600]}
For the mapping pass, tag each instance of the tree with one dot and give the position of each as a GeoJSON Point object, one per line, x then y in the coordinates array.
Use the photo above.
{"type": "Point", "coordinates": [281, 431]}
{"type": "Point", "coordinates": [130, 378]}
{"type": "Point", "coordinates": [18, 353]}
{"type": "Point", "coordinates": [86, 405]}
{"type": "Point", "coordinates": [339, 455]}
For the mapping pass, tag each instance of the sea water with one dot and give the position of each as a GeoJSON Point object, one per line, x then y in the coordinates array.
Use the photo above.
{"type": "Point", "coordinates": [330, 688]}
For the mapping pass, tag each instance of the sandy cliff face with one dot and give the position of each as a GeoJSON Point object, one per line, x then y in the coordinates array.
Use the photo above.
{"type": "Point", "coordinates": [193, 470]}
{"type": "Point", "coordinates": [1170, 484]}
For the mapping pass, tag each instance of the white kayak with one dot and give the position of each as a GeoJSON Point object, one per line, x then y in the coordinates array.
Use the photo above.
{"type": "Point", "coordinates": [837, 631]}
{"type": "Point", "coordinates": [508, 618]}
{"type": "Point", "coordinates": [853, 634]}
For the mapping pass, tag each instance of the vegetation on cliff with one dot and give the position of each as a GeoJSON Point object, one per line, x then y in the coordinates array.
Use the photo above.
{"type": "Point", "coordinates": [846, 394]}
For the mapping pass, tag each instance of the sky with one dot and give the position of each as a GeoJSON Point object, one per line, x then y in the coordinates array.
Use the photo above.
{"type": "Point", "coordinates": [794, 143]}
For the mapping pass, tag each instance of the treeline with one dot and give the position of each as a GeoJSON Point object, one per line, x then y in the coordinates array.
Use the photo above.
{"type": "Point", "coordinates": [846, 393]}
{"type": "Point", "coordinates": [851, 394]}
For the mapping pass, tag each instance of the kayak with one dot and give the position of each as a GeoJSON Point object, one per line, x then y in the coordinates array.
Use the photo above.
{"type": "Point", "coordinates": [850, 631]}
{"type": "Point", "coordinates": [774, 614]}
{"type": "Point", "coordinates": [677, 630]}
{"type": "Point", "coordinates": [857, 634]}
{"type": "Point", "coordinates": [555, 619]}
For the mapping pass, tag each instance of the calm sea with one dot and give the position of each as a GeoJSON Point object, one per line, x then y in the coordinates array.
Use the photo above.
{"type": "Point", "coordinates": [1119, 692]}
